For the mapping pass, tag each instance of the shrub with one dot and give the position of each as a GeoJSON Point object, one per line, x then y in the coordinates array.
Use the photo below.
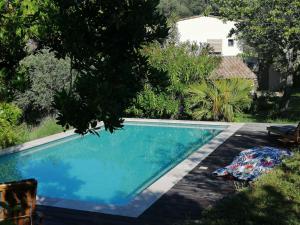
{"type": "Point", "coordinates": [219, 99]}
{"type": "Point", "coordinates": [45, 75]}
{"type": "Point", "coordinates": [151, 104]}
{"type": "Point", "coordinates": [185, 63]}
{"type": "Point", "coordinates": [9, 116]}
{"type": "Point", "coordinates": [47, 127]}
{"type": "Point", "coordinates": [3, 88]}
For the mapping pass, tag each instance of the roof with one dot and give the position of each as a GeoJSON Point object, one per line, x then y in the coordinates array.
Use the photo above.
{"type": "Point", "coordinates": [200, 16]}
{"type": "Point", "coordinates": [233, 67]}
{"type": "Point", "coordinates": [224, 20]}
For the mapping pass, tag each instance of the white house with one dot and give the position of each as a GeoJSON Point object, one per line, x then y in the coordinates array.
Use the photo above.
{"type": "Point", "coordinates": [211, 30]}
{"type": "Point", "coordinates": [215, 32]}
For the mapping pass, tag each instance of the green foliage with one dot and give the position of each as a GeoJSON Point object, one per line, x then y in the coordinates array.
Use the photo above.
{"type": "Point", "coordinates": [9, 116]}
{"type": "Point", "coordinates": [185, 8]}
{"type": "Point", "coordinates": [3, 88]}
{"type": "Point", "coordinates": [10, 113]}
{"type": "Point", "coordinates": [47, 127]}
{"type": "Point", "coordinates": [174, 7]}
{"type": "Point", "coordinates": [45, 75]}
{"type": "Point", "coordinates": [270, 27]}
{"type": "Point", "coordinates": [20, 22]}
{"type": "Point", "coordinates": [19, 134]}
{"type": "Point", "coordinates": [184, 64]}
{"type": "Point", "coordinates": [219, 99]}
{"type": "Point", "coordinates": [151, 104]}
{"type": "Point", "coordinates": [103, 39]}
{"type": "Point", "coordinates": [273, 199]}
{"type": "Point", "coordinates": [266, 108]}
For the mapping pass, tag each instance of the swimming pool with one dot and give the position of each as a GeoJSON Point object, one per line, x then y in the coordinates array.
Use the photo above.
{"type": "Point", "coordinates": [111, 169]}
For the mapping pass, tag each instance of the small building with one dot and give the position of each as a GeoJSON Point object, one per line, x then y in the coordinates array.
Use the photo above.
{"type": "Point", "coordinates": [211, 30]}
{"type": "Point", "coordinates": [233, 67]}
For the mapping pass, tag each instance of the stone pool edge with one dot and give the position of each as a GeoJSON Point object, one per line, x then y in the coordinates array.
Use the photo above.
{"type": "Point", "coordinates": [151, 194]}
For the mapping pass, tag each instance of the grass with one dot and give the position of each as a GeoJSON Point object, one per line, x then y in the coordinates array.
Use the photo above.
{"type": "Point", "coordinates": [274, 199]}
{"type": "Point", "coordinates": [263, 118]}
{"type": "Point", "coordinates": [267, 111]}
{"type": "Point", "coordinates": [47, 127]}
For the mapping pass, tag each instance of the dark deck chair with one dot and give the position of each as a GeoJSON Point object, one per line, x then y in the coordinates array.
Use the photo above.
{"type": "Point", "coordinates": [290, 133]}
{"type": "Point", "coordinates": [18, 203]}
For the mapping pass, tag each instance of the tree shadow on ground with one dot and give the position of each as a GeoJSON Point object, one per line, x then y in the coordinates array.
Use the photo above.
{"type": "Point", "coordinates": [267, 108]}
{"type": "Point", "coordinates": [267, 207]}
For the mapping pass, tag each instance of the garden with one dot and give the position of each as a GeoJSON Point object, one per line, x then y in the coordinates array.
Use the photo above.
{"type": "Point", "coordinates": [187, 92]}
{"type": "Point", "coordinates": [68, 65]}
{"type": "Point", "coordinates": [43, 77]}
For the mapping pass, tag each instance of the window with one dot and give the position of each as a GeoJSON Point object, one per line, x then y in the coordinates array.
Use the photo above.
{"type": "Point", "coordinates": [230, 42]}
{"type": "Point", "coordinates": [216, 45]}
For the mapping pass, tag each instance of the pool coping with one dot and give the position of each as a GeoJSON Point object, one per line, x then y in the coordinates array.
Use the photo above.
{"type": "Point", "coordinates": [151, 194]}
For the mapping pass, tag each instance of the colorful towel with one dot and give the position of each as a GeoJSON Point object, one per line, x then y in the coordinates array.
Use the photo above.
{"type": "Point", "coordinates": [251, 163]}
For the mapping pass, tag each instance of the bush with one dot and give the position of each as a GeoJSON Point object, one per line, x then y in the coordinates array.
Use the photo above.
{"type": "Point", "coordinates": [45, 75]}
{"type": "Point", "coordinates": [3, 88]}
{"type": "Point", "coordinates": [273, 199]}
{"type": "Point", "coordinates": [9, 116]}
{"type": "Point", "coordinates": [185, 63]}
{"type": "Point", "coordinates": [47, 127]}
{"type": "Point", "coordinates": [219, 99]}
{"type": "Point", "coordinates": [151, 104]}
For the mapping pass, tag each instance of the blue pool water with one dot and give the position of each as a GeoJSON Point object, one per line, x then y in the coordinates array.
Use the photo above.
{"type": "Point", "coordinates": [112, 168]}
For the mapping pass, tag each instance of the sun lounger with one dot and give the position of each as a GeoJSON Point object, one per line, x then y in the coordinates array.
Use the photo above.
{"type": "Point", "coordinates": [17, 202]}
{"type": "Point", "coordinates": [291, 133]}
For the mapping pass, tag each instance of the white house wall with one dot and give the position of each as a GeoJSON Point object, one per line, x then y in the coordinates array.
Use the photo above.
{"type": "Point", "coordinates": [200, 29]}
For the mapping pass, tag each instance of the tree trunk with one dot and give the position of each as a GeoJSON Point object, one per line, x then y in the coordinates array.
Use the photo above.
{"type": "Point", "coordinates": [289, 80]}
{"type": "Point", "coordinates": [263, 76]}
{"type": "Point", "coordinates": [285, 101]}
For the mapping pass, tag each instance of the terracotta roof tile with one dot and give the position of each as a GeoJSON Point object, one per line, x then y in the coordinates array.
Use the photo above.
{"type": "Point", "coordinates": [233, 67]}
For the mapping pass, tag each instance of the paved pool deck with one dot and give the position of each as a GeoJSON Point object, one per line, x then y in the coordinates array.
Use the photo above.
{"type": "Point", "coordinates": [193, 193]}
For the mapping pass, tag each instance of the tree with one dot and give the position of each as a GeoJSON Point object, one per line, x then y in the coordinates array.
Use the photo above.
{"type": "Point", "coordinates": [185, 8]}
{"type": "Point", "coordinates": [45, 75]}
{"type": "Point", "coordinates": [271, 27]}
{"type": "Point", "coordinates": [219, 99]}
{"type": "Point", "coordinates": [174, 8]}
{"type": "Point", "coordinates": [103, 39]}
{"type": "Point", "coordinates": [21, 22]}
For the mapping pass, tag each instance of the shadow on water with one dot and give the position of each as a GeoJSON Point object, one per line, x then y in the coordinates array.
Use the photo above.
{"type": "Point", "coordinates": [55, 178]}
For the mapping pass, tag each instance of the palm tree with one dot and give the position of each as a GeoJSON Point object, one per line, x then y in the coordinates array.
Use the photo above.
{"type": "Point", "coordinates": [219, 99]}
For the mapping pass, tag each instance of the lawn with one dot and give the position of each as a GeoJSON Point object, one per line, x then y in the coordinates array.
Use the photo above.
{"type": "Point", "coordinates": [47, 127]}
{"type": "Point", "coordinates": [274, 199]}
{"type": "Point", "coordinates": [268, 111]}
